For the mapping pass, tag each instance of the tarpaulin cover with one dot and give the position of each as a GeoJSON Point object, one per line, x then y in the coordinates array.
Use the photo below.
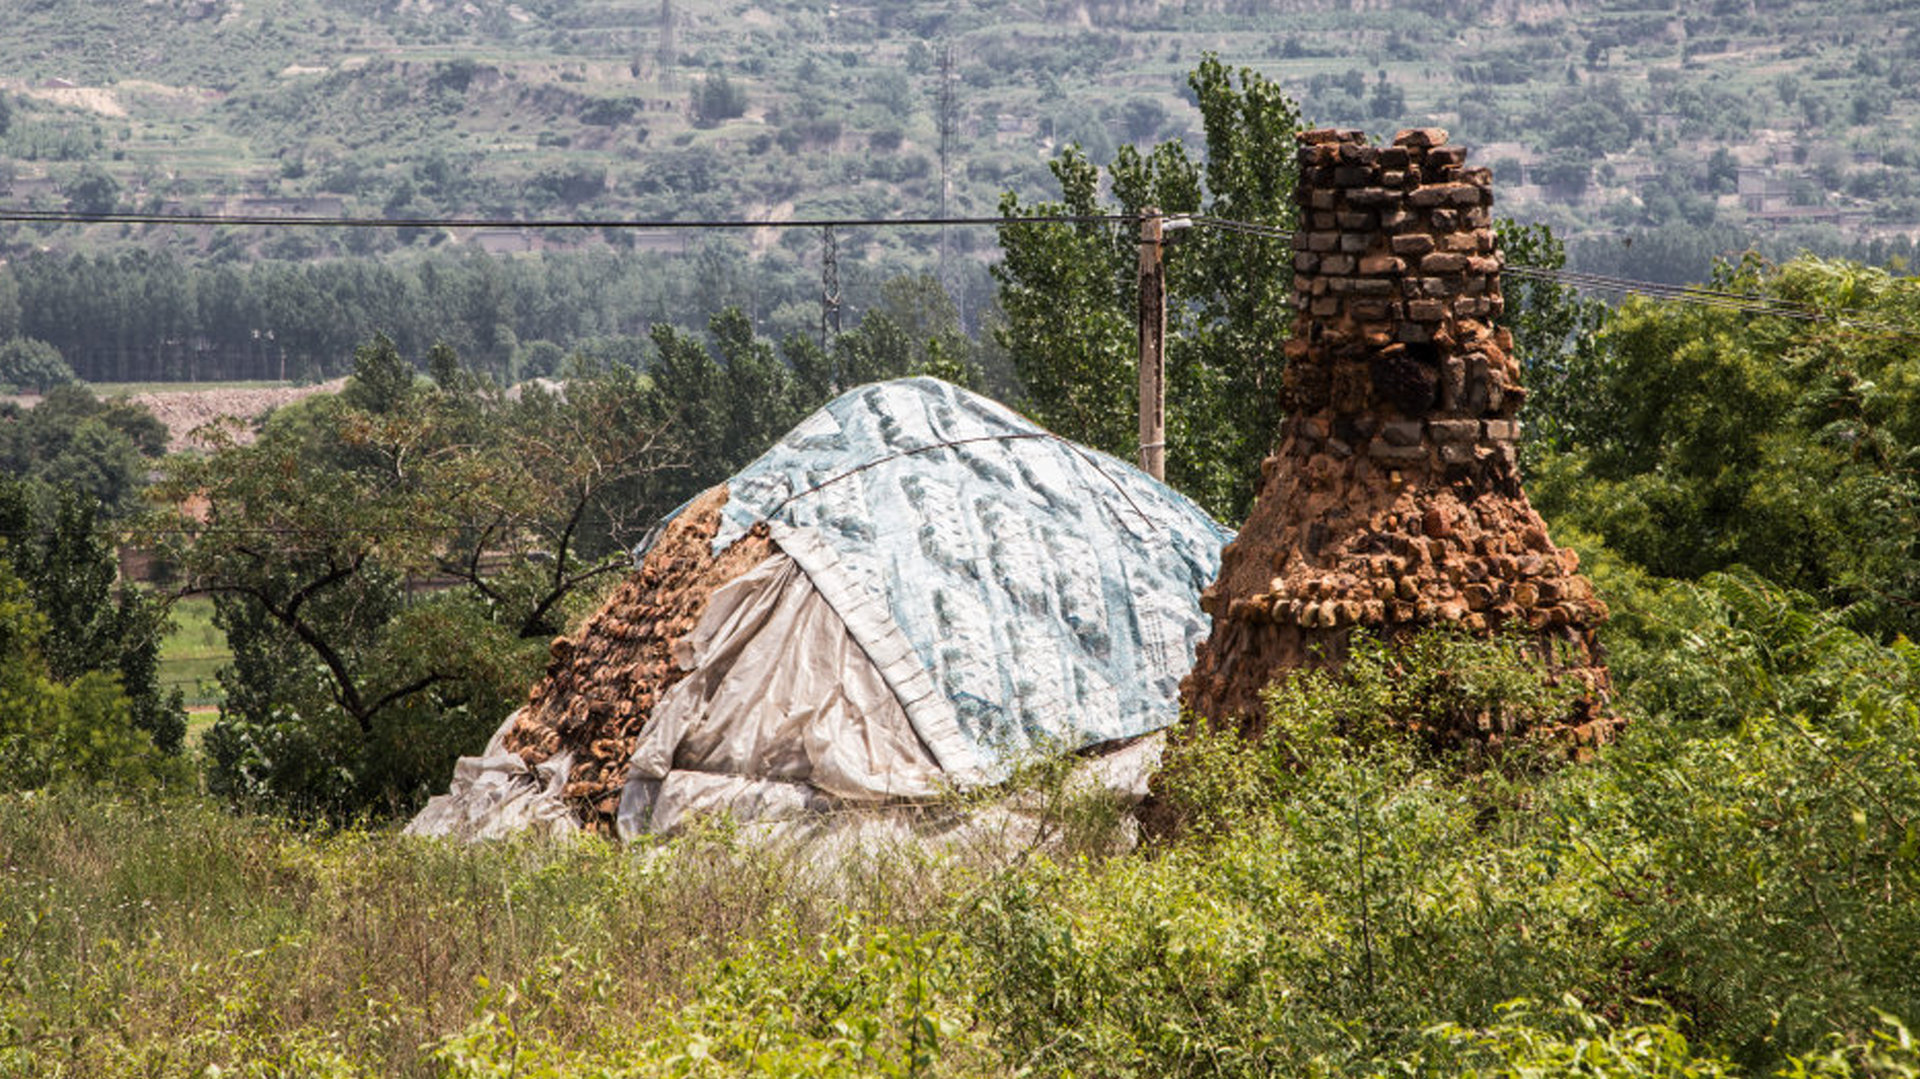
{"type": "Point", "coordinates": [781, 713]}
{"type": "Point", "coordinates": [1020, 594]}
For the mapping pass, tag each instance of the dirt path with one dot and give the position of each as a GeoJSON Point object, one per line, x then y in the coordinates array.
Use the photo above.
{"type": "Point", "coordinates": [185, 410]}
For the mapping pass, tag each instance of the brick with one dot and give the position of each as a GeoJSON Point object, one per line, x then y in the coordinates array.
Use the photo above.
{"type": "Point", "coordinates": [1420, 137]}
{"type": "Point", "coordinates": [1393, 179]}
{"type": "Point", "coordinates": [1325, 219]}
{"type": "Point", "coordinates": [1441, 157]}
{"type": "Point", "coordinates": [1466, 243]}
{"type": "Point", "coordinates": [1353, 243]}
{"type": "Point", "coordinates": [1454, 430]}
{"type": "Point", "coordinates": [1306, 263]}
{"type": "Point", "coordinates": [1502, 430]}
{"type": "Point", "coordinates": [1337, 264]}
{"type": "Point", "coordinates": [1318, 135]}
{"type": "Point", "coordinates": [1321, 241]}
{"type": "Point", "coordinates": [1372, 286]}
{"type": "Point", "coordinates": [1374, 310]}
{"type": "Point", "coordinates": [1321, 199]}
{"type": "Point", "coordinates": [1440, 194]}
{"type": "Point", "coordinates": [1456, 453]}
{"type": "Point", "coordinates": [1484, 264]}
{"type": "Point", "coordinates": [1442, 262]}
{"type": "Point", "coordinates": [1402, 433]}
{"type": "Point", "coordinates": [1384, 451]}
{"type": "Point", "coordinates": [1351, 176]}
{"type": "Point", "coordinates": [1382, 264]}
{"type": "Point", "coordinates": [1415, 333]}
{"type": "Point", "coordinates": [1371, 196]}
{"type": "Point", "coordinates": [1395, 220]}
{"type": "Point", "coordinates": [1355, 219]}
{"type": "Point", "coordinates": [1325, 306]}
{"type": "Point", "coordinates": [1413, 243]}
{"type": "Point", "coordinates": [1426, 310]}
{"type": "Point", "coordinates": [1444, 220]}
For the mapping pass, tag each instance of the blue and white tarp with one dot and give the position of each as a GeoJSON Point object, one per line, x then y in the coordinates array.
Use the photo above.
{"type": "Point", "coordinates": [1020, 594]}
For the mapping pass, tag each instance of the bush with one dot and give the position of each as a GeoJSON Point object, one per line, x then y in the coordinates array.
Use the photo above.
{"type": "Point", "coordinates": [33, 365]}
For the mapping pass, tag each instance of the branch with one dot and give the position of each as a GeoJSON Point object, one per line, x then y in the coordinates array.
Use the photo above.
{"type": "Point", "coordinates": [389, 697]}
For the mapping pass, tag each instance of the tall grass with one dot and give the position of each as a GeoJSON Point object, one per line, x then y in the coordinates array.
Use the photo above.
{"type": "Point", "coordinates": [1731, 889]}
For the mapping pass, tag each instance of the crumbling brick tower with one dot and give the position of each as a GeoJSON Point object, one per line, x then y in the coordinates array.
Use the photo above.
{"type": "Point", "coordinates": [1393, 502]}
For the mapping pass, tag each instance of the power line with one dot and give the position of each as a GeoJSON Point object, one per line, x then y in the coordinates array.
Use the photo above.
{"type": "Point", "coordinates": [1698, 295]}
{"type": "Point", "coordinates": [67, 217]}
{"type": "Point", "coordinates": [1714, 299]}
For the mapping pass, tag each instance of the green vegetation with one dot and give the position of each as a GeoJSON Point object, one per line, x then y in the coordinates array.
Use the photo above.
{"type": "Point", "coordinates": [1732, 888]}
{"type": "Point", "coordinates": [193, 652]}
{"type": "Point", "coordinates": [1728, 890]}
{"type": "Point", "coordinates": [1703, 438]}
{"type": "Point", "coordinates": [1071, 293]}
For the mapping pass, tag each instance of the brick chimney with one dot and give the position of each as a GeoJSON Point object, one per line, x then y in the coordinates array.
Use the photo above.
{"type": "Point", "coordinates": [1394, 502]}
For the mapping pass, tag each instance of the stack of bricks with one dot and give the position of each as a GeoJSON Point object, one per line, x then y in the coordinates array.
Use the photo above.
{"type": "Point", "coordinates": [1394, 501]}
{"type": "Point", "coordinates": [601, 684]}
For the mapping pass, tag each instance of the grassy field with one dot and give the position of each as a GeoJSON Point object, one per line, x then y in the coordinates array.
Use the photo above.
{"type": "Point", "coordinates": [1706, 897]}
{"type": "Point", "coordinates": [192, 653]}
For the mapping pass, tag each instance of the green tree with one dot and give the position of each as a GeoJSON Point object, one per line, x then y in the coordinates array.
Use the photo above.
{"type": "Point", "coordinates": [92, 191]}
{"type": "Point", "coordinates": [55, 732]}
{"type": "Point", "coordinates": [353, 685]}
{"type": "Point", "coordinates": [1785, 444]}
{"type": "Point", "coordinates": [1555, 337]}
{"type": "Point", "coordinates": [101, 449]}
{"type": "Point", "coordinates": [717, 99]}
{"type": "Point", "coordinates": [1068, 291]}
{"type": "Point", "coordinates": [91, 622]}
{"type": "Point", "coordinates": [33, 365]}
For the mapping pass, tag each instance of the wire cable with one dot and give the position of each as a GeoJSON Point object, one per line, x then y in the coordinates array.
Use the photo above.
{"type": "Point", "coordinates": [65, 217]}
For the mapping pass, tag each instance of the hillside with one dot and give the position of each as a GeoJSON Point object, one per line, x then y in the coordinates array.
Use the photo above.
{"type": "Point", "coordinates": [1626, 115]}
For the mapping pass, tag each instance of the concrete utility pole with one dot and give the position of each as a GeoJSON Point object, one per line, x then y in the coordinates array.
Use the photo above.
{"type": "Point", "coordinates": [1153, 346]}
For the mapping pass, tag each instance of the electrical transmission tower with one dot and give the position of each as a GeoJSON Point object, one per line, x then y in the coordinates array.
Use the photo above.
{"type": "Point", "coordinates": [668, 51]}
{"type": "Point", "coordinates": [948, 120]}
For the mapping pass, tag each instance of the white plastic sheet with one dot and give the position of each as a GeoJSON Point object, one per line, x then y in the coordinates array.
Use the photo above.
{"type": "Point", "coordinates": [497, 794]}
{"type": "Point", "coordinates": [782, 712]}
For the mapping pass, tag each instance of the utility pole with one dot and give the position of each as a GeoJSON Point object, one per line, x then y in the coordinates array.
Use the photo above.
{"type": "Point", "coordinates": [1153, 346]}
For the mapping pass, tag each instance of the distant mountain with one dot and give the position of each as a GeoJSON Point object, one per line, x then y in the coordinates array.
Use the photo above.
{"type": "Point", "coordinates": [1604, 119]}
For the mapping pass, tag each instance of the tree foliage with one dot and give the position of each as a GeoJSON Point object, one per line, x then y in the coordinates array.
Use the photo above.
{"type": "Point", "coordinates": [1555, 337]}
{"type": "Point", "coordinates": [1716, 438]}
{"type": "Point", "coordinates": [80, 696]}
{"type": "Point", "coordinates": [1070, 296]}
{"type": "Point", "coordinates": [330, 544]}
{"type": "Point", "coordinates": [32, 365]}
